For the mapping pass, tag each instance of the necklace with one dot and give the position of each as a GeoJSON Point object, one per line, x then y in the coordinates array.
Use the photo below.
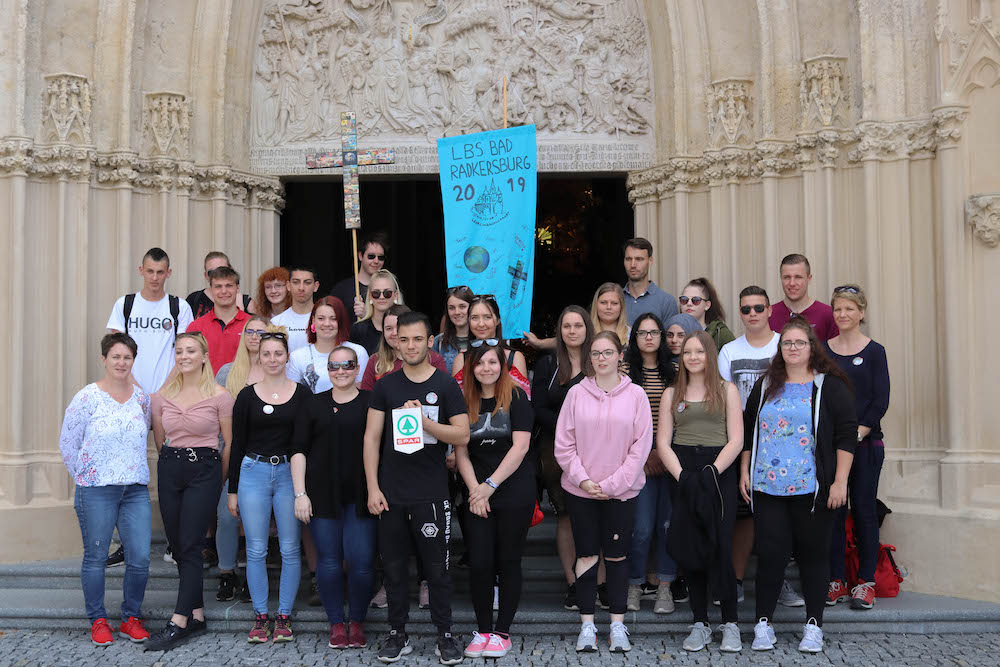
{"type": "Point", "coordinates": [274, 395]}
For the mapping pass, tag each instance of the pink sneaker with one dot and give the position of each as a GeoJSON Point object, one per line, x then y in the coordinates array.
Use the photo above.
{"type": "Point", "coordinates": [498, 646]}
{"type": "Point", "coordinates": [478, 645]}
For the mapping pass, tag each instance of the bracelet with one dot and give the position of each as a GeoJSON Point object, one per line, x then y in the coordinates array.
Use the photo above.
{"type": "Point", "coordinates": [299, 495]}
{"type": "Point", "coordinates": [492, 484]}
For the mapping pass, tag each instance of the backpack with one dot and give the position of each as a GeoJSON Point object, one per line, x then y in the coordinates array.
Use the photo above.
{"type": "Point", "coordinates": [887, 574]}
{"type": "Point", "coordinates": [175, 310]}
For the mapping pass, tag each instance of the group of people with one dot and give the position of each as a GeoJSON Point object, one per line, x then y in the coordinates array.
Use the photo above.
{"type": "Point", "coordinates": [667, 448]}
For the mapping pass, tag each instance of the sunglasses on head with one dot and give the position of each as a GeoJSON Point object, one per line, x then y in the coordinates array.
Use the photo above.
{"type": "Point", "coordinates": [492, 342]}
{"type": "Point", "coordinates": [337, 365]}
{"type": "Point", "coordinates": [384, 294]}
{"type": "Point", "coordinates": [273, 334]}
{"type": "Point", "coordinates": [459, 288]}
{"type": "Point", "coordinates": [850, 289]}
{"type": "Point", "coordinates": [758, 308]}
{"type": "Point", "coordinates": [372, 255]}
{"type": "Point", "coordinates": [696, 300]}
{"type": "Point", "coordinates": [485, 297]}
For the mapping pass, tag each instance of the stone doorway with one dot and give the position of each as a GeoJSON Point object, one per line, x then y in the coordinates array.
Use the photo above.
{"type": "Point", "coordinates": [582, 222]}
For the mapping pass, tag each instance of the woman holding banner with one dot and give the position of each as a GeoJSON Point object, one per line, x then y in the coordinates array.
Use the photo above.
{"type": "Point", "coordinates": [485, 325]}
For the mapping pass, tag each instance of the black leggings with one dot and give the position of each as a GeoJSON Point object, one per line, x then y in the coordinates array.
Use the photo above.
{"type": "Point", "coordinates": [784, 523]}
{"type": "Point", "coordinates": [602, 526]}
{"type": "Point", "coordinates": [189, 494]}
{"type": "Point", "coordinates": [495, 546]}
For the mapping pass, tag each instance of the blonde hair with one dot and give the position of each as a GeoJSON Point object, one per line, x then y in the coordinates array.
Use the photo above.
{"type": "Point", "coordinates": [852, 293]}
{"type": "Point", "coordinates": [385, 356]}
{"type": "Point", "coordinates": [382, 274]}
{"type": "Point", "coordinates": [240, 370]}
{"type": "Point", "coordinates": [621, 327]}
{"type": "Point", "coordinates": [206, 383]}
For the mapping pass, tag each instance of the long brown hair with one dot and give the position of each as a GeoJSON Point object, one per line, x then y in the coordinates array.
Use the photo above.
{"type": "Point", "coordinates": [715, 311]}
{"type": "Point", "coordinates": [715, 390]}
{"type": "Point", "coordinates": [473, 389]}
{"type": "Point", "coordinates": [819, 362]}
{"type": "Point", "coordinates": [565, 373]}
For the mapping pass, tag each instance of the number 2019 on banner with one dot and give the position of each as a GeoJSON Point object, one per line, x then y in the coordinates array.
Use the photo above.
{"type": "Point", "coordinates": [468, 192]}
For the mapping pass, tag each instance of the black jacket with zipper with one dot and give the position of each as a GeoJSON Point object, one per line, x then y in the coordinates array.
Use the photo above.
{"type": "Point", "coordinates": [834, 427]}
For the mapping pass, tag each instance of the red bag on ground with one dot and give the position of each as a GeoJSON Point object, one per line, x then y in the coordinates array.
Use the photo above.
{"type": "Point", "coordinates": [887, 575]}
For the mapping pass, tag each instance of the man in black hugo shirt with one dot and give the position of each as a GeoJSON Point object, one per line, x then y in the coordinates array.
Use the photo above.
{"type": "Point", "coordinates": [409, 491]}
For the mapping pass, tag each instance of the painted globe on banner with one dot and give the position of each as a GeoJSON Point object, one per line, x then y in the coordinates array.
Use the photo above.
{"type": "Point", "coordinates": [476, 259]}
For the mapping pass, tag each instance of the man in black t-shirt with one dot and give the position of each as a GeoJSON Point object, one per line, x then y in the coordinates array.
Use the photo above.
{"type": "Point", "coordinates": [371, 260]}
{"type": "Point", "coordinates": [409, 490]}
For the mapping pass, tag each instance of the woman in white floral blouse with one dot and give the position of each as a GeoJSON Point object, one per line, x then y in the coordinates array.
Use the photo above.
{"type": "Point", "coordinates": [103, 443]}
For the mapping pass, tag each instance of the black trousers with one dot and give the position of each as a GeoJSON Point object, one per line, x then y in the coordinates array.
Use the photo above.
{"type": "Point", "coordinates": [495, 546]}
{"type": "Point", "coordinates": [427, 526]}
{"type": "Point", "coordinates": [189, 494]}
{"type": "Point", "coordinates": [784, 523]}
{"type": "Point", "coordinates": [602, 526]}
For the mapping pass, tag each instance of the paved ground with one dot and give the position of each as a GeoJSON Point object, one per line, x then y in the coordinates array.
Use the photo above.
{"type": "Point", "coordinates": [73, 648]}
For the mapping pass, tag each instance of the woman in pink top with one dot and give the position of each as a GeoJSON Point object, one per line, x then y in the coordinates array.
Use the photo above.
{"type": "Point", "coordinates": [603, 436]}
{"type": "Point", "coordinates": [189, 413]}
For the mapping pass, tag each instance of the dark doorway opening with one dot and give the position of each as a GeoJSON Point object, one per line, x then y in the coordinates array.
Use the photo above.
{"type": "Point", "coordinates": [581, 224]}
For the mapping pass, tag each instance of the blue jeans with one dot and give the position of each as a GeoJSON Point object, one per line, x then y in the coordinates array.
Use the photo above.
{"type": "Point", "coordinates": [264, 487]}
{"type": "Point", "coordinates": [862, 488]}
{"type": "Point", "coordinates": [227, 533]}
{"type": "Point", "coordinates": [100, 509]}
{"type": "Point", "coordinates": [652, 513]}
{"type": "Point", "coordinates": [349, 538]}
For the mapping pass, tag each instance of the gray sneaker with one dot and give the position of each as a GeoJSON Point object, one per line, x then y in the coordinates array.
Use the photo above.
{"type": "Point", "coordinates": [812, 637]}
{"type": "Point", "coordinates": [619, 638]}
{"type": "Point", "coordinates": [789, 597]}
{"type": "Point", "coordinates": [700, 637]}
{"type": "Point", "coordinates": [586, 642]}
{"type": "Point", "coordinates": [730, 638]}
{"type": "Point", "coordinates": [763, 636]}
{"type": "Point", "coordinates": [634, 596]}
{"type": "Point", "coordinates": [664, 600]}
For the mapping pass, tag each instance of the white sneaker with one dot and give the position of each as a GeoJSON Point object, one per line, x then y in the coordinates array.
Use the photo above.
{"type": "Point", "coordinates": [664, 600]}
{"type": "Point", "coordinates": [168, 557]}
{"type": "Point", "coordinates": [730, 638]}
{"type": "Point", "coordinates": [789, 597]}
{"type": "Point", "coordinates": [619, 638]}
{"type": "Point", "coordinates": [763, 636]}
{"type": "Point", "coordinates": [586, 642]}
{"type": "Point", "coordinates": [812, 637]}
{"type": "Point", "coordinates": [634, 596]}
{"type": "Point", "coordinates": [700, 637]}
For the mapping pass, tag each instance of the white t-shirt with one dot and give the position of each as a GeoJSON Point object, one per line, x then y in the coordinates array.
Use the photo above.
{"type": "Point", "coordinates": [152, 328]}
{"type": "Point", "coordinates": [307, 366]}
{"type": "Point", "coordinates": [743, 364]}
{"type": "Point", "coordinates": [296, 325]}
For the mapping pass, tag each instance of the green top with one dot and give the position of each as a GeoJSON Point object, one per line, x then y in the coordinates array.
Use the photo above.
{"type": "Point", "coordinates": [695, 426]}
{"type": "Point", "coordinates": [720, 333]}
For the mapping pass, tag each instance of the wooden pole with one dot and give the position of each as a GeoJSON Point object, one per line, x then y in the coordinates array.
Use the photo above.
{"type": "Point", "coordinates": [354, 263]}
{"type": "Point", "coordinates": [505, 101]}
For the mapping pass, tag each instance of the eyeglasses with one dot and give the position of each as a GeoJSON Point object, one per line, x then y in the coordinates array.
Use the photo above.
{"type": "Point", "coordinates": [696, 300]}
{"type": "Point", "coordinates": [384, 294]}
{"type": "Point", "coordinates": [652, 333]}
{"type": "Point", "coordinates": [277, 287]}
{"type": "Point", "coordinates": [372, 255]}
{"type": "Point", "coordinates": [491, 342]}
{"type": "Point", "coordinates": [459, 288]}
{"type": "Point", "coordinates": [337, 365]}
{"type": "Point", "coordinates": [850, 289]}
{"type": "Point", "coordinates": [794, 344]}
{"type": "Point", "coordinates": [274, 334]}
{"type": "Point", "coordinates": [603, 354]}
{"type": "Point", "coordinates": [256, 332]}
{"type": "Point", "coordinates": [758, 308]}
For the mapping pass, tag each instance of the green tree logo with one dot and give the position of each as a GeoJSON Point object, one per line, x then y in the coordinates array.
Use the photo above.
{"type": "Point", "coordinates": [406, 425]}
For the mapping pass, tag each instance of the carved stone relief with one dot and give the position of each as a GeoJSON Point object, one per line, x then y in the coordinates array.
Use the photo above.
{"type": "Point", "coordinates": [416, 70]}
{"type": "Point", "coordinates": [982, 212]}
{"type": "Point", "coordinates": [729, 116]}
{"type": "Point", "coordinates": [166, 121]}
{"type": "Point", "coordinates": [66, 106]}
{"type": "Point", "coordinates": [823, 92]}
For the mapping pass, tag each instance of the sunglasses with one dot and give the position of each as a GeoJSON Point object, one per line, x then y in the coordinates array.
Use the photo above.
{"type": "Point", "coordinates": [372, 255]}
{"type": "Point", "coordinates": [758, 308]}
{"type": "Point", "coordinates": [652, 333]}
{"type": "Point", "coordinates": [696, 300]}
{"type": "Point", "coordinates": [492, 342]}
{"type": "Point", "coordinates": [337, 365]}
{"type": "Point", "coordinates": [256, 332]}
{"type": "Point", "coordinates": [459, 288]}
{"type": "Point", "coordinates": [485, 297]}
{"type": "Point", "coordinates": [275, 334]}
{"type": "Point", "coordinates": [850, 289]}
{"type": "Point", "coordinates": [384, 294]}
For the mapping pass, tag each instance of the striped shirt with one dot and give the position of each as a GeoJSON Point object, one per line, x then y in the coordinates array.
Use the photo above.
{"type": "Point", "coordinates": [654, 386]}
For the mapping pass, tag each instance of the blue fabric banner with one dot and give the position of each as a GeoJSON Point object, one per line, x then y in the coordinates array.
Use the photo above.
{"type": "Point", "coordinates": [489, 187]}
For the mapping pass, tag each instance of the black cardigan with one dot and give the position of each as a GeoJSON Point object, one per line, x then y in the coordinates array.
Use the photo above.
{"type": "Point", "coordinates": [837, 428]}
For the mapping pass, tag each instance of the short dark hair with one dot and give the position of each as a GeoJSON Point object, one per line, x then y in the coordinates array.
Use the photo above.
{"type": "Point", "coordinates": [301, 267]}
{"type": "Point", "coordinates": [216, 254]}
{"type": "Point", "coordinates": [380, 238]}
{"type": "Point", "coordinates": [638, 243]}
{"type": "Point", "coordinates": [797, 258]}
{"type": "Point", "coordinates": [157, 255]}
{"type": "Point", "coordinates": [116, 338]}
{"type": "Point", "coordinates": [414, 317]}
{"type": "Point", "coordinates": [753, 290]}
{"type": "Point", "coordinates": [222, 272]}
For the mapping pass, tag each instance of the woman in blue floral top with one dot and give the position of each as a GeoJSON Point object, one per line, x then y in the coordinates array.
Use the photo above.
{"type": "Point", "coordinates": [103, 444]}
{"type": "Point", "coordinates": [800, 431]}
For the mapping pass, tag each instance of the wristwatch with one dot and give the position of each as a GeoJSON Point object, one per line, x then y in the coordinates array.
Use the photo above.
{"type": "Point", "coordinates": [492, 484]}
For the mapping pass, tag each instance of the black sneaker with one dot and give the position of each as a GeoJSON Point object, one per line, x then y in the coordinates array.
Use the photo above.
{"type": "Point", "coordinates": [243, 591]}
{"type": "Point", "coordinates": [679, 590]}
{"type": "Point", "coordinates": [647, 591]}
{"type": "Point", "coordinates": [167, 638]}
{"type": "Point", "coordinates": [395, 645]}
{"type": "Point", "coordinates": [195, 626]}
{"type": "Point", "coordinates": [227, 587]}
{"type": "Point", "coordinates": [447, 650]}
{"type": "Point", "coordinates": [314, 599]}
{"type": "Point", "coordinates": [209, 558]}
{"type": "Point", "coordinates": [603, 601]}
{"type": "Point", "coordinates": [116, 559]}
{"type": "Point", "coordinates": [570, 601]}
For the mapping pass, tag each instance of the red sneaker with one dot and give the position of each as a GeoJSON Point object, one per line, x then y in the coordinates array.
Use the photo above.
{"type": "Point", "coordinates": [837, 593]}
{"type": "Point", "coordinates": [101, 634]}
{"type": "Point", "coordinates": [260, 631]}
{"type": "Point", "coordinates": [282, 628]}
{"type": "Point", "coordinates": [133, 631]}
{"type": "Point", "coordinates": [863, 595]}
{"type": "Point", "coordinates": [356, 635]}
{"type": "Point", "coordinates": [338, 636]}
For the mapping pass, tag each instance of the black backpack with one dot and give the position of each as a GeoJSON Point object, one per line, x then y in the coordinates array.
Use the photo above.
{"type": "Point", "coordinates": [175, 310]}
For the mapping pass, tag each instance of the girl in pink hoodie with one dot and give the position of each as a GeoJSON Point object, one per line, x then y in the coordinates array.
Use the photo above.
{"type": "Point", "coordinates": [603, 437]}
